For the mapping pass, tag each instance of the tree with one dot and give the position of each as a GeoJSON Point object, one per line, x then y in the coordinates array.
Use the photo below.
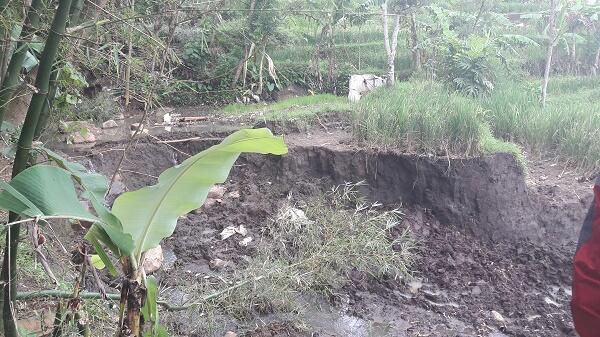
{"type": "Point", "coordinates": [391, 44]}
{"type": "Point", "coordinates": [552, 40]}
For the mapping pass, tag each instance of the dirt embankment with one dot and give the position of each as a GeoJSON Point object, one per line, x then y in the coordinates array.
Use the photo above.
{"type": "Point", "coordinates": [492, 243]}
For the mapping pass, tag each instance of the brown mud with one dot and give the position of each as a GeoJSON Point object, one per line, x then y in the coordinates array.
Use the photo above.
{"type": "Point", "coordinates": [496, 244]}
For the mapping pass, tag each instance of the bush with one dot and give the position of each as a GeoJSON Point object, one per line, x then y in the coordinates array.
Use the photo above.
{"type": "Point", "coordinates": [100, 108]}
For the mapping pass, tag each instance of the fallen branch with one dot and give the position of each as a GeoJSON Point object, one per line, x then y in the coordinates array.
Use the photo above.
{"type": "Point", "coordinates": [187, 140]}
{"type": "Point", "coordinates": [29, 295]}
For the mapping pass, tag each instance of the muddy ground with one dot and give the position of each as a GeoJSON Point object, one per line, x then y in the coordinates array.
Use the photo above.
{"type": "Point", "coordinates": [495, 244]}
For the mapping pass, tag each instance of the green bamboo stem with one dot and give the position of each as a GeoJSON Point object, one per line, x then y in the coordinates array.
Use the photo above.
{"type": "Point", "coordinates": [9, 265]}
{"type": "Point", "coordinates": [45, 114]}
{"type": "Point", "coordinates": [11, 80]}
{"type": "Point", "coordinates": [74, 18]}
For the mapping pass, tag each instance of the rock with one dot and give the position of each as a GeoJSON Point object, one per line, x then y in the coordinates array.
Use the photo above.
{"type": "Point", "coordinates": [135, 126]}
{"type": "Point", "coordinates": [230, 334]}
{"type": "Point", "coordinates": [497, 334]}
{"type": "Point", "coordinates": [154, 259]}
{"type": "Point", "coordinates": [217, 192]}
{"type": "Point", "coordinates": [110, 124]}
{"type": "Point", "coordinates": [217, 264]}
{"type": "Point", "coordinates": [141, 133]}
{"type": "Point", "coordinates": [81, 137]}
{"type": "Point", "coordinates": [234, 194]}
{"type": "Point", "coordinates": [169, 259]}
{"type": "Point", "coordinates": [476, 290]}
{"type": "Point", "coordinates": [245, 241]}
{"type": "Point", "coordinates": [119, 116]}
{"type": "Point", "coordinates": [414, 286]}
{"type": "Point", "coordinates": [497, 316]}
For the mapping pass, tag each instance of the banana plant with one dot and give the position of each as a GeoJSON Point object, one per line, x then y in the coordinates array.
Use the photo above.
{"type": "Point", "coordinates": [139, 220]}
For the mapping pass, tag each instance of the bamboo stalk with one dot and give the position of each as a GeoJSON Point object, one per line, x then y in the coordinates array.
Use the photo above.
{"type": "Point", "coordinates": [11, 80]}
{"type": "Point", "coordinates": [9, 266]}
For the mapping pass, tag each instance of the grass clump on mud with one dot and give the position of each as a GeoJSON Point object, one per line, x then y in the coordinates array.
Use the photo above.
{"type": "Point", "coordinates": [425, 116]}
{"type": "Point", "coordinates": [569, 125]}
{"type": "Point", "coordinates": [312, 253]}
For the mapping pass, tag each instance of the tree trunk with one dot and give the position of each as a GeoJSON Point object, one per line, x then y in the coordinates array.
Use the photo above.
{"type": "Point", "coordinates": [390, 44]}
{"type": "Point", "coordinates": [596, 62]}
{"type": "Point", "coordinates": [550, 50]}
{"type": "Point", "coordinates": [128, 68]}
{"type": "Point", "coordinates": [11, 80]}
{"type": "Point", "coordinates": [4, 42]}
{"type": "Point", "coordinates": [9, 265]}
{"type": "Point", "coordinates": [414, 42]}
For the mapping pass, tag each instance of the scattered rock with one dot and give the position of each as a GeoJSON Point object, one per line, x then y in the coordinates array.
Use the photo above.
{"type": "Point", "coordinates": [246, 241]}
{"type": "Point", "coordinates": [135, 126]}
{"type": "Point", "coordinates": [217, 192]}
{"type": "Point", "coordinates": [234, 194]}
{"type": "Point", "coordinates": [414, 286]}
{"type": "Point", "coordinates": [81, 137]}
{"type": "Point", "coordinates": [110, 124]}
{"type": "Point", "coordinates": [217, 264]}
{"type": "Point", "coordinates": [497, 316]}
{"type": "Point", "coordinates": [154, 260]}
{"type": "Point", "coordinates": [550, 301]}
{"type": "Point", "coordinates": [231, 230]}
{"type": "Point", "coordinates": [142, 132]}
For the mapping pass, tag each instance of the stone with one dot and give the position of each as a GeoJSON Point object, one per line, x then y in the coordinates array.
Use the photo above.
{"type": "Point", "coordinates": [110, 124]}
{"type": "Point", "coordinates": [135, 126]}
{"type": "Point", "coordinates": [217, 264]}
{"type": "Point", "coordinates": [153, 260]}
{"type": "Point", "coordinates": [217, 192]}
{"type": "Point", "coordinates": [476, 290]}
{"type": "Point", "coordinates": [497, 316]}
{"type": "Point", "coordinates": [119, 116]}
{"type": "Point", "coordinates": [230, 334]}
{"type": "Point", "coordinates": [234, 194]}
{"type": "Point", "coordinates": [82, 137]}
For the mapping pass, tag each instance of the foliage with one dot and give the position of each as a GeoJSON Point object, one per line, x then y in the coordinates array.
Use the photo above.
{"type": "Point", "coordinates": [99, 108]}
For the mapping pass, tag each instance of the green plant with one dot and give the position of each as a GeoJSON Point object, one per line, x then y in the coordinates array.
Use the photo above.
{"type": "Point", "coordinates": [139, 220]}
{"type": "Point", "coordinates": [98, 108]}
{"type": "Point", "coordinates": [420, 116]}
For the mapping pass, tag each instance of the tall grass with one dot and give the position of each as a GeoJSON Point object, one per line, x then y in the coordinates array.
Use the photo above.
{"type": "Point", "coordinates": [421, 116]}
{"type": "Point", "coordinates": [568, 127]}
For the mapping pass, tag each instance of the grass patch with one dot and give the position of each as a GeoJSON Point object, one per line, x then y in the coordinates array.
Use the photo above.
{"type": "Point", "coordinates": [294, 102]}
{"type": "Point", "coordinates": [299, 110]}
{"type": "Point", "coordinates": [569, 125]}
{"type": "Point", "coordinates": [421, 116]}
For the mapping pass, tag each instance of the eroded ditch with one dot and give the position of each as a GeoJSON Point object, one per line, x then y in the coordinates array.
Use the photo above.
{"type": "Point", "coordinates": [493, 259]}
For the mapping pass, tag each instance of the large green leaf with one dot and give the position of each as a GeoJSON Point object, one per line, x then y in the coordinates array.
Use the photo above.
{"type": "Point", "coordinates": [43, 190]}
{"type": "Point", "coordinates": [95, 186]}
{"type": "Point", "coordinates": [150, 214]}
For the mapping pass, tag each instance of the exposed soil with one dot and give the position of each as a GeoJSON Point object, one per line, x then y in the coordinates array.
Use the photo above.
{"type": "Point", "coordinates": [496, 244]}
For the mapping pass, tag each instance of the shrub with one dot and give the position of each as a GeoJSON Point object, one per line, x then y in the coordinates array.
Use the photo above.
{"type": "Point", "coordinates": [99, 108]}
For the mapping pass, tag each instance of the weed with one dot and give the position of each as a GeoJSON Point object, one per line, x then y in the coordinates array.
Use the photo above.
{"type": "Point", "coordinates": [99, 108]}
